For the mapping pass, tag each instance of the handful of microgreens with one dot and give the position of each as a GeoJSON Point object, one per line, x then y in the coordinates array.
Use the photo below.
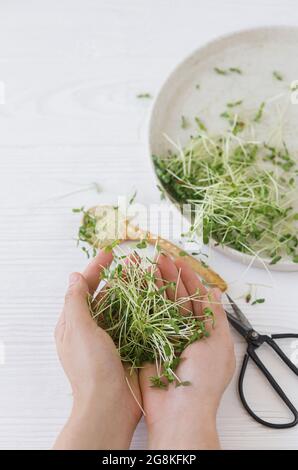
{"type": "Point", "coordinates": [145, 325]}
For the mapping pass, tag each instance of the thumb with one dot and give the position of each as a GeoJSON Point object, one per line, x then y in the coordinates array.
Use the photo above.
{"type": "Point", "coordinates": [76, 305]}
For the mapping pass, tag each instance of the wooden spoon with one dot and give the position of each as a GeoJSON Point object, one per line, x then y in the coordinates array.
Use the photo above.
{"type": "Point", "coordinates": [126, 231]}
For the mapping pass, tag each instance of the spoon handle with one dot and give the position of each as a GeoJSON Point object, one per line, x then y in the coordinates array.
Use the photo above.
{"type": "Point", "coordinates": [210, 276]}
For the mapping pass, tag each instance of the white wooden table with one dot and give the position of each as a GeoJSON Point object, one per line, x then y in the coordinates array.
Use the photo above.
{"type": "Point", "coordinates": [72, 69]}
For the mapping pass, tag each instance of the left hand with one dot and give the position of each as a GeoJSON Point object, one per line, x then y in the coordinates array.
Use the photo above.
{"type": "Point", "coordinates": [105, 412]}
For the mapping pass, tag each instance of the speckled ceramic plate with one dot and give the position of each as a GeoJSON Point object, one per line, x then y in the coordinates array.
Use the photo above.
{"type": "Point", "coordinates": [194, 89]}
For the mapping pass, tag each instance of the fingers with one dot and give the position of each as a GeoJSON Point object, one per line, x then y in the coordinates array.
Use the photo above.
{"type": "Point", "coordinates": [76, 306]}
{"type": "Point", "coordinates": [147, 371]}
{"type": "Point", "coordinates": [60, 328]}
{"type": "Point", "coordinates": [221, 336]}
{"type": "Point", "coordinates": [192, 284]}
{"type": "Point", "coordinates": [95, 267]}
{"type": "Point", "coordinates": [212, 303]}
{"type": "Point", "coordinates": [170, 273]}
{"type": "Point", "coordinates": [158, 278]}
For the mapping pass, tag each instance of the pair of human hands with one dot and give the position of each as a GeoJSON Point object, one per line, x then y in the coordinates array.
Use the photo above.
{"type": "Point", "coordinates": [107, 398]}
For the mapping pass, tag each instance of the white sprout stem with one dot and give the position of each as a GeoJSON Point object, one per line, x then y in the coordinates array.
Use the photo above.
{"type": "Point", "coordinates": [134, 396]}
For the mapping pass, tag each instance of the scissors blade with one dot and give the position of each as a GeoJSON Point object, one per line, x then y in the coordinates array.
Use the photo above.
{"type": "Point", "coordinates": [237, 318]}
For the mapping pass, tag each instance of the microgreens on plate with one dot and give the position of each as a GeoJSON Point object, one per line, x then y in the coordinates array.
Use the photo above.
{"type": "Point", "coordinates": [244, 190]}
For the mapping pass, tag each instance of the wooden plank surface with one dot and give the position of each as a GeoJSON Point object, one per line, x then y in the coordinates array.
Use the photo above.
{"type": "Point", "coordinates": [72, 70]}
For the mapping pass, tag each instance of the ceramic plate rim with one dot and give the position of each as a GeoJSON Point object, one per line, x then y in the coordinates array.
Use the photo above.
{"type": "Point", "coordinates": [230, 252]}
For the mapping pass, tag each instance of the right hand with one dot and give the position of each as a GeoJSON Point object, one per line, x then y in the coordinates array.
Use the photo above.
{"type": "Point", "coordinates": [185, 417]}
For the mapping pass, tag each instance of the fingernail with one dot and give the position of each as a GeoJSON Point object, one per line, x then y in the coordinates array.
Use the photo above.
{"type": "Point", "coordinates": [73, 278]}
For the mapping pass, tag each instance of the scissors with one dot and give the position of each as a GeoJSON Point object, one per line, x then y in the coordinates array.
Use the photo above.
{"type": "Point", "coordinates": [254, 340]}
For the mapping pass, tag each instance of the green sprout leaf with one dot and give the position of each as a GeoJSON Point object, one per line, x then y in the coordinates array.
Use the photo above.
{"type": "Point", "coordinates": [183, 253]}
{"type": "Point", "coordinates": [258, 301]}
{"type": "Point", "coordinates": [277, 75]}
{"type": "Point", "coordinates": [235, 70]}
{"type": "Point", "coordinates": [227, 71]}
{"type": "Point", "coordinates": [77, 210]}
{"type": "Point", "coordinates": [232, 104]}
{"type": "Point", "coordinates": [184, 122]}
{"type": "Point", "coordinates": [142, 244]}
{"type": "Point", "coordinates": [109, 248]}
{"type": "Point", "coordinates": [200, 124]}
{"type": "Point", "coordinates": [132, 198]}
{"type": "Point", "coordinates": [185, 383]}
{"type": "Point", "coordinates": [157, 382]}
{"type": "Point", "coordinates": [259, 114]}
{"type": "Point", "coordinates": [275, 260]}
{"type": "Point", "coordinates": [144, 96]}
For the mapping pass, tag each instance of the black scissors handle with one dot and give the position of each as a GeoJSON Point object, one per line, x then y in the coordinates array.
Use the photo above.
{"type": "Point", "coordinates": [251, 353]}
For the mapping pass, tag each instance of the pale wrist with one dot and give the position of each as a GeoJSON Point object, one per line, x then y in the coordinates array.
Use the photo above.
{"type": "Point", "coordinates": [107, 418]}
{"type": "Point", "coordinates": [96, 423]}
{"type": "Point", "coordinates": [184, 434]}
